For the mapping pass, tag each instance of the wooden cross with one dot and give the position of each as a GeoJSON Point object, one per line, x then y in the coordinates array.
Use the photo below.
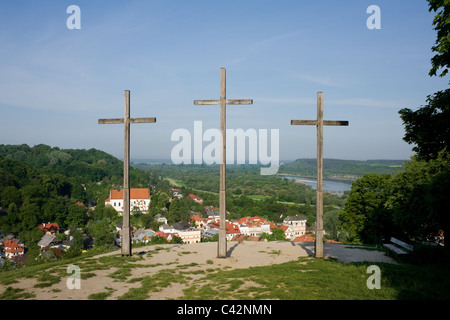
{"type": "Point", "coordinates": [319, 203]}
{"type": "Point", "coordinates": [126, 120]}
{"type": "Point", "coordinates": [222, 243]}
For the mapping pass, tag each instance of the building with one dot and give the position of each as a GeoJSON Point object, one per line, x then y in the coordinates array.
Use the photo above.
{"type": "Point", "coordinates": [50, 241]}
{"type": "Point", "coordinates": [254, 226]}
{"type": "Point", "coordinates": [182, 230]}
{"type": "Point", "coordinates": [12, 249]}
{"type": "Point", "coordinates": [143, 235]}
{"type": "Point", "coordinates": [139, 198]}
{"type": "Point", "coordinates": [160, 218]}
{"type": "Point", "coordinates": [195, 198]}
{"type": "Point", "coordinates": [190, 235]}
{"type": "Point", "coordinates": [232, 229]}
{"type": "Point", "coordinates": [49, 228]}
{"type": "Point", "coordinates": [200, 223]}
{"type": "Point", "coordinates": [294, 226]}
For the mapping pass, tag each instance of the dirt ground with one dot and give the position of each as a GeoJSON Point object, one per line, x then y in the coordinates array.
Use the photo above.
{"type": "Point", "coordinates": [241, 255]}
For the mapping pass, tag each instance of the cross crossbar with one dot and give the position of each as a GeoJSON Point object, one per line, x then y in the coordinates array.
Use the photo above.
{"type": "Point", "coordinates": [132, 120]}
{"type": "Point", "coordinates": [315, 122]}
{"type": "Point", "coordinates": [218, 102]}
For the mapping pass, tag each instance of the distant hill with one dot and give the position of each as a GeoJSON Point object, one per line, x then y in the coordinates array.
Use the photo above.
{"type": "Point", "coordinates": [342, 168]}
{"type": "Point", "coordinates": [84, 165]}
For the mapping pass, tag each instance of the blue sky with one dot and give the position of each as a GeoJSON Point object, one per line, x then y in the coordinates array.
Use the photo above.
{"type": "Point", "coordinates": [56, 82]}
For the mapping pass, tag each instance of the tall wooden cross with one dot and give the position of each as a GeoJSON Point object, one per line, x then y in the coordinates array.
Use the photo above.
{"type": "Point", "coordinates": [222, 244]}
{"type": "Point", "coordinates": [126, 120]}
{"type": "Point", "coordinates": [319, 203]}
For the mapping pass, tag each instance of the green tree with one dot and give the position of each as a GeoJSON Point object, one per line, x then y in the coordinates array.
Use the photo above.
{"type": "Point", "coordinates": [365, 216]}
{"type": "Point", "coordinates": [419, 200]}
{"type": "Point", "coordinates": [102, 234]}
{"type": "Point", "coordinates": [76, 216]}
{"type": "Point", "coordinates": [277, 235]}
{"type": "Point", "coordinates": [77, 243]}
{"type": "Point", "coordinates": [10, 195]}
{"type": "Point", "coordinates": [428, 127]}
{"type": "Point", "coordinates": [441, 22]}
{"type": "Point", "coordinates": [331, 224]}
{"type": "Point", "coordinates": [176, 239]}
{"type": "Point", "coordinates": [28, 216]}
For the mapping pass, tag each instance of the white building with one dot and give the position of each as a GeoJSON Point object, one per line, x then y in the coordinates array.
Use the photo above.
{"type": "Point", "coordinates": [190, 235]}
{"type": "Point", "coordinates": [296, 226]}
{"type": "Point", "coordinates": [139, 197]}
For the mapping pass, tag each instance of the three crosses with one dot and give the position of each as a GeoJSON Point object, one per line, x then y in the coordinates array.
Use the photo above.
{"type": "Point", "coordinates": [223, 101]}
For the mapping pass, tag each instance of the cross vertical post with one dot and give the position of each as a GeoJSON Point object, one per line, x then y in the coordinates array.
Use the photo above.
{"type": "Point", "coordinates": [222, 243]}
{"type": "Point", "coordinates": [319, 250]}
{"type": "Point", "coordinates": [126, 120]}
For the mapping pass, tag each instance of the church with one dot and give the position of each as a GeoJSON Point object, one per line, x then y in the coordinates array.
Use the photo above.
{"type": "Point", "coordinates": [139, 197]}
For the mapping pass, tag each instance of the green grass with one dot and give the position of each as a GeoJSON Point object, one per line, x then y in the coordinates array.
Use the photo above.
{"type": "Point", "coordinates": [303, 279]}
{"type": "Point", "coordinates": [321, 279]}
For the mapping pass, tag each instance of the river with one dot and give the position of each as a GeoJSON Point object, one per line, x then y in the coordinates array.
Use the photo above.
{"type": "Point", "coordinates": [331, 186]}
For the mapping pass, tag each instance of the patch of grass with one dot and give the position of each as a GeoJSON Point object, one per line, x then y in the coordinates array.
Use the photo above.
{"type": "Point", "coordinates": [16, 294]}
{"type": "Point", "coordinates": [101, 295]}
{"type": "Point", "coordinates": [46, 280]}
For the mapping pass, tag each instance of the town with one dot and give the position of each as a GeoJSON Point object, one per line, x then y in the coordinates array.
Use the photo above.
{"type": "Point", "coordinates": [202, 225]}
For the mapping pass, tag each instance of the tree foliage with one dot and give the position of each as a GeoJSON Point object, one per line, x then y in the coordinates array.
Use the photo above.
{"type": "Point", "coordinates": [441, 22]}
{"type": "Point", "coordinates": [365, 216]}
{"type": "Point", "coordinates": [428, 127]}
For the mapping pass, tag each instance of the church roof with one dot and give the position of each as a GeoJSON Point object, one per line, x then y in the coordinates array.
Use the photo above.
{"type": "Point", "coordinates": [135, 193]}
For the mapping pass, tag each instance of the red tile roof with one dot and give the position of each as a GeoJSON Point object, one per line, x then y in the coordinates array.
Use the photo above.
{"type": "Point", "coordinates": [306, 237]}
{"type": "Point", "coordinates": [12, 247]}
{"type": "Point", "coordinates": [49, 227]}
{"type": "Point", "coordinates": [194, 197]}
{"type": "Point", "coordinates": [135, 193]}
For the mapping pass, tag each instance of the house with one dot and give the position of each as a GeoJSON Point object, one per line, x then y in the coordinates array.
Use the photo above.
{"type": "Point", "coordinates": [190, 235]}
{"type": "Point", "coordinates": [182, 230]}
{"type": "Point", "coordinates": [209, 233]}
{"type": "Point", "coordinates": [195, 198]}
{"type": "Point", "coordinates": [143, 235]}
{"type": "Point", "coordinates": [139, 198]}
{"type": "Point", "coordinates": [160, 218]}
{"type": "Point", "coordinates": [232, 229]}
{"type": "Point", "coordinates": [199, 222]}
{"type": "Point", "coordinates": [306, 237]}
{"type": "Point", "coordinates": [49, 228]}
{"type": "Point", "coordinates": [254, 226]}
{"type": "Point", "coordinates": [12, 249]}
{"type": "Point", "coordinates": [294, 226]}
{"type": "Point", "coordinates": [49, 240]}
{"type": "Point", "coordinates": [176, 193]}
{"type": "Point", "coordinates": [212, 212]}
{"type": "Point", "coordinates": [180, 226]}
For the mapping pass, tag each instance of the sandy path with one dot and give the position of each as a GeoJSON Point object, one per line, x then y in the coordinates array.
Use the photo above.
{"type": "Point", "coordinates": [199, 256]}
